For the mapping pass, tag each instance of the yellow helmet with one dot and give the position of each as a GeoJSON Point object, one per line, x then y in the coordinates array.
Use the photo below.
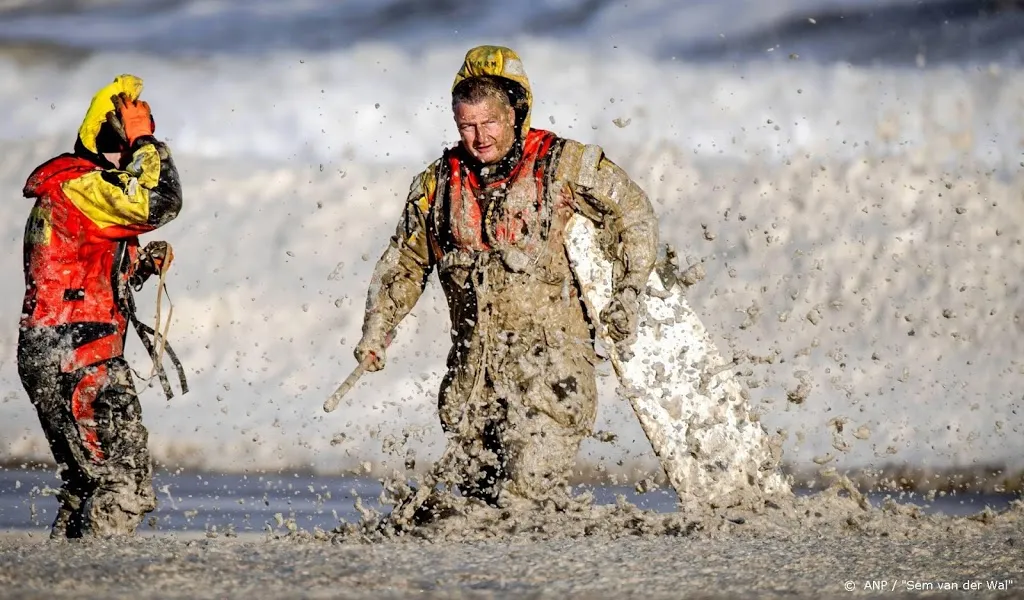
{"type": "Point", "coordinates": [101, 104]}
{"type": "Point", "coordinates": [498, 61]}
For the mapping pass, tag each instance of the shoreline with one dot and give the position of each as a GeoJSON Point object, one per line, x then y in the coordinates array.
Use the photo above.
{"type": "Point", "coordinates": [892, 478]}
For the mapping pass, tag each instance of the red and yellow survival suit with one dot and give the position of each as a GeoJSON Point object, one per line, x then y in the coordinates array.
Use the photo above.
{"type": "Point", "coordinates": [81, 250]}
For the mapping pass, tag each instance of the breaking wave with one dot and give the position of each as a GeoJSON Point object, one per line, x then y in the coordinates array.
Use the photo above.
{"type": "Point", "coordinates": [856, 31]}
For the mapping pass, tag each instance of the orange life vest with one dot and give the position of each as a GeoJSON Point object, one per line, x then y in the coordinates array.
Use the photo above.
{"type": "Point", "coordinates": [519, 216]}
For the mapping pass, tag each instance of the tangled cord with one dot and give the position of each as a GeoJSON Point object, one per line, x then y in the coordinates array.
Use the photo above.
{"type": "Point", "coordinates": [160, 335]}
{"type": "Point", "coordinates": [155, 338]}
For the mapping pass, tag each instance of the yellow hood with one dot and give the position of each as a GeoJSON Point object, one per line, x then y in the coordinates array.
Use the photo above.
{"type": "Point", "coordinates": [499, 61]}
{"type": "Point", "coordinates": [101, 105]}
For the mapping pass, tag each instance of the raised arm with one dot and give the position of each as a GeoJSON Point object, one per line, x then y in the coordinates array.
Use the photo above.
{"type": "Point", "coordinates": [143, 196]}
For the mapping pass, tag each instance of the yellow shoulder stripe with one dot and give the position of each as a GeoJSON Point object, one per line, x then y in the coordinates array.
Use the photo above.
{"type": "Point", "coordinates": [107, 204]}
{"type": "Point", "coordinates": [427, 184]}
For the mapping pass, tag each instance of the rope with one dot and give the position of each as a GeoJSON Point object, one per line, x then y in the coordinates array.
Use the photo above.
{"type": "Point", "coordinates": [155, 338]}
{"type": "Point", "coordinates": [481, 291]}
{"type": "Point", "coordinates": [161, 291]}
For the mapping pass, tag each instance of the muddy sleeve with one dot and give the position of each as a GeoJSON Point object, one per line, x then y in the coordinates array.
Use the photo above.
{"type": "Point", "coordinates": [604, 193]}
{"type": "Point", "coordinates": [143, 196]}
{"type": "Point", "coordinates": [401, 273]}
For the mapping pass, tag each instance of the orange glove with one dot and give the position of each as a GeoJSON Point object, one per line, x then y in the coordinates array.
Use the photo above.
{"type": "Point", "coordinates": [131, 118]}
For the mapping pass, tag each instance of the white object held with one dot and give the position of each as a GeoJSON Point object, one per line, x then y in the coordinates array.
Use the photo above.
{"type": "Point", "coordinates": [689, 403]}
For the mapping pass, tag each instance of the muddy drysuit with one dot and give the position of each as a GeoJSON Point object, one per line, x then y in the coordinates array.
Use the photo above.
{"type": "Point", "coordinates": [81, 257]}
{"type": "Point", "coordinates": [520, 391]}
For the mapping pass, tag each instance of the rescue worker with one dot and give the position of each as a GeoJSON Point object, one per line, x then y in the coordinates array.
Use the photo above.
{"type": "Point", "coordinates": [81, 255]}
{"type": "Point", "coordinates": [490, 215]}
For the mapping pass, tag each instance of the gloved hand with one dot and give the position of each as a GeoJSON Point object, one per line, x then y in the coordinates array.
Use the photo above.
{"type": "Point", "coordinates": [160, 254]}
{"type": "Point", "coordinates": [621, 316]}
{"type": "Point", "coordinates": [372, 346]}
{"type": "Point", "coordinates": [131, 118]}
{"type": "Point", "coordinates": [154, 258]}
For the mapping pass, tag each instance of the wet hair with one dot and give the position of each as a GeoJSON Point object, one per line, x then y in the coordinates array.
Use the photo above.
{"type": "Point", "coordinates": [509, 93]}
{"type": "Point", "coordinates": [477, 89]}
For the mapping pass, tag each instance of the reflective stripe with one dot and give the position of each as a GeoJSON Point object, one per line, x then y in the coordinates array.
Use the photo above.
{"type": "Point", "coordinates": [83, 409]}
{"type": "Point", "coordinates": [93, 352]}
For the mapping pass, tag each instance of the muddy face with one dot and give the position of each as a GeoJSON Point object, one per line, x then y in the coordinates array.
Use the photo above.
{"type": "Point", "coordinates": [487, 129]}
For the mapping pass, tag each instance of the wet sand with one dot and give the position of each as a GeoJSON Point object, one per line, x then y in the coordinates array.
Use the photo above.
{"type": "Point", "coordinates": [811, 547]}
{"type": "Point", "coordinates": [802, 564]}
